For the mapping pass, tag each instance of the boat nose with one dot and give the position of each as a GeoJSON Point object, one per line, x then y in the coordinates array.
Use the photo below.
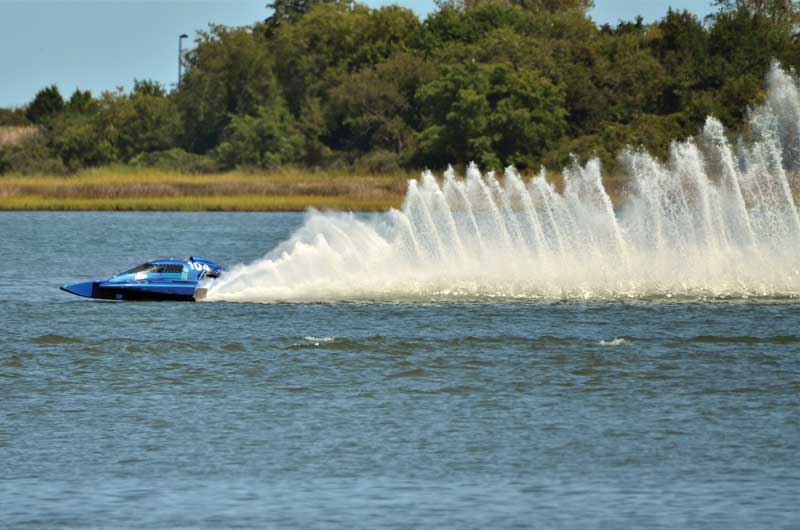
{"type": "Point", "coordinates": [81, 289]}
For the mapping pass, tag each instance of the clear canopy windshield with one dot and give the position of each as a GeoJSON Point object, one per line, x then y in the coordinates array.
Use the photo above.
{"type": "Point", "coordinates": [157, 268]}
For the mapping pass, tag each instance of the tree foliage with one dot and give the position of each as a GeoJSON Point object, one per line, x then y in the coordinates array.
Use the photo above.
{"type": "Point", "coordinates": [230, 72]}
{"type": "Point", "coordinates": [781, 11]}
{"type": "Point", "coordinates": [326, 83]}
{"type": "Point", "coordinates": [13, 118]}
{"type": "Point", "coordinates": [493, 114]}
{"type": "Point", "coordinates": [265, 140]}
{"type": "Point", "coordinates": [80, 102]}
{"type": "Point", "coordinates": [47, 103]}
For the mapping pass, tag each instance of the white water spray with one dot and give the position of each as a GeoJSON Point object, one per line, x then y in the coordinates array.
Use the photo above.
{"type": "Point", "coordinates": [715, 220]}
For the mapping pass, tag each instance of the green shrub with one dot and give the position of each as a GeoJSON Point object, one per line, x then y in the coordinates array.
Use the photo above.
{"type": "Point", "coordinates": [176, 160]}
{"type": "Point", "coordinates": [13, 118]}
{"type": "Point", "coordinates": [491, 114]}
{"type": "Point", "coordinates": [47, 103]}
{"type": "Point", "coordinates": [266, 140]}
{"type": "Point", "coordinates": [31, 156]}
{"type": "Point", "coordinates": [81, 142]}
{"type": "Point", "coordinates": [380, 161]}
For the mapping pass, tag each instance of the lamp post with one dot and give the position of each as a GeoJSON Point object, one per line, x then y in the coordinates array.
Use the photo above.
{"type": "Point", "coordinates": [180, 56]}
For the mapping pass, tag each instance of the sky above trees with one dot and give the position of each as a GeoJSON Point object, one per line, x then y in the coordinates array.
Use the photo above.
{"type": "Point", "coordinates": [100, 44]}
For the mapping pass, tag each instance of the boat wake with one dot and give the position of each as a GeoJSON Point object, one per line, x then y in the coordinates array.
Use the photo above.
{"type": "Point", "coordinates": [717, 219]}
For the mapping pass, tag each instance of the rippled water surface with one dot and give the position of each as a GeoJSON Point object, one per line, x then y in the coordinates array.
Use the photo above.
{"type": "Point", "coordinates": [480, 414]}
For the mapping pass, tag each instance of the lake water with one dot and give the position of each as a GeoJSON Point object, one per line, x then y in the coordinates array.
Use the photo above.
{"type": "Point", "coordinates": [431, 413]}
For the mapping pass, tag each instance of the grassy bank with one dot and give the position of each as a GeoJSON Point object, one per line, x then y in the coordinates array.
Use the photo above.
{"type": "Point", "coordinates": [124, 188]}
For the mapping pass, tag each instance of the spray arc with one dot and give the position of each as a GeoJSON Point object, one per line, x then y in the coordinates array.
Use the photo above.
{"type": "Point", "coordinates": [716, 219]}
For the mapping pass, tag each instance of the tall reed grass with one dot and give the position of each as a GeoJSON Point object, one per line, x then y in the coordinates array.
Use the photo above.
{"type": "Point", "coordinates": [127, 188]}
{"type": "Point", "coordinates": [132, 188]}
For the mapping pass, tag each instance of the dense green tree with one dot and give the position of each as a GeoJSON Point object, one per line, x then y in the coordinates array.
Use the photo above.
{"type": "Point", "coordinates": [265, 140]}
{"type": "Point", "coordinates": [555, 6]}
{"type": "Point", "coordinates": [327, 83]}
{"type": "Point", "coordinates": [537, 6]}
{"type": "Point", "coordinates": [115, 127]}
{"type": "Point", "coordinates": [320, 52]}
{"type": "Point", "coordinates": [680, 44]}
{"type": "Point", "coordinates": [629, 78]}
{"type": "Point", "coordinates": [148, 88]}
{"type": "Point", "coordinates": [287, 12]}
{"type": "Point", "coordinates": [31, 156]}
{"type": "Point", "coordinates": [742, 45]}
{"type": "Point", "coordinates": [746, 42]}
{"type": "Point", "coordinates": [47, 103]}
{"type": "Point", "coordinates": [493, 114]}
{"type": "Point", "coordinates": [80, 102]}
{"type": "Point", "coordinates": [373, 107]}
{"type": "Point", "coordinates": [13, 118]}
{"type": "Point", "coordinates": [80, 141]}
{"type": "Point", "coordinates": [332, 40]}
{"type": "Point", "coordinates": [365, 113]}
{"type": "Point", "coordinates": [229, 73]}
{"type": "Point", "coordinates": [449, 26]}
{"type": "Point", "coordinates": [785, 11]}
{"type": "Point", "coordinates": [144, 122]}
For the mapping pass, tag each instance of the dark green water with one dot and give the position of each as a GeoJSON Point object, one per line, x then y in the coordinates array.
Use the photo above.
{"type": "Point", "coordinates": [376, 415]}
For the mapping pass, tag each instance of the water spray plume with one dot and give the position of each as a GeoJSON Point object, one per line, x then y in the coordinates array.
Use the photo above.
{"type": "Point", "coordinates": [714, 220]}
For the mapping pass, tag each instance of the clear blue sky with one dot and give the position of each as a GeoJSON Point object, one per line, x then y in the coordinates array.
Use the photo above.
{"type": "Point", "coordinates": [101, 44]}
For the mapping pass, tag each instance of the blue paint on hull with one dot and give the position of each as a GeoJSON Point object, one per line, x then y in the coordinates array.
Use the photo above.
{"type": "Point", "coordinates": [163, 279]}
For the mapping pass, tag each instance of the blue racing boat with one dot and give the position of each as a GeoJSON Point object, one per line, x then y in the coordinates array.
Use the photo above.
{"type": "Point", "coordinates": [160, 279]}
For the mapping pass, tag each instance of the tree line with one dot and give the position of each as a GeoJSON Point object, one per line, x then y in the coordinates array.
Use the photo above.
{"type": "Point", "coordinates": [334, 84]}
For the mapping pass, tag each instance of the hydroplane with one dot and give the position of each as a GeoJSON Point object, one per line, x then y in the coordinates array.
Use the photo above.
{"type": "Point", "coordinates": [160, 279]}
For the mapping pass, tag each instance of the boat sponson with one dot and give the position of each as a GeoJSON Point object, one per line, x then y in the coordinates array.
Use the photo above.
{"type": "Point", "coordinates": [104, 291]}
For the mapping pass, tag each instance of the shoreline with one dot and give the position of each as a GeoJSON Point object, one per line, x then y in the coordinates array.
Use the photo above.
{"type": "Point", "coordinates": [124, 188]}
{"type": "Point", "coordinates": [235, 203]}
{"type": "Point", "coordinates": [133, 189]}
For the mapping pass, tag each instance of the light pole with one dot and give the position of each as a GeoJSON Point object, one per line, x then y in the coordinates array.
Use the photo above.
{"type": "Point", "coordinates": [180, 56]}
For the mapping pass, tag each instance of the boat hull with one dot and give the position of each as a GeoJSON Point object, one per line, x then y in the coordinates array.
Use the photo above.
{"type": "Point", "coordinates": [160, 279]}
{"type": "Point", "coordinates": [145, 292]}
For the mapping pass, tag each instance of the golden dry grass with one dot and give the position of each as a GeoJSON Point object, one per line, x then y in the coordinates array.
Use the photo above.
{"type": "Point", "coordinates": [245, 203]}
{"type": "Point", "coordinates": [123, 188]}
{"type": "Point", "coordinates": [128, 188]}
